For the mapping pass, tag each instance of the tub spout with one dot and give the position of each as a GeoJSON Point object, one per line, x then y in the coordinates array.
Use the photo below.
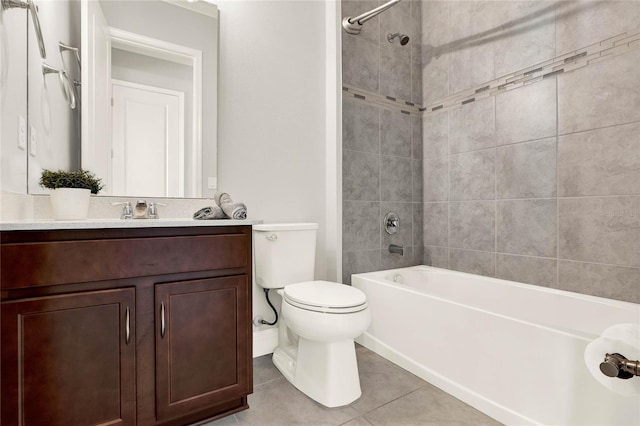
{"type": "Point", "coordinates": [396, 249]}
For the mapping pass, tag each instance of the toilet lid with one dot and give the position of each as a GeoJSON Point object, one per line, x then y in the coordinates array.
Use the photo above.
{"type": "Point", "coordinates": [325, 294]}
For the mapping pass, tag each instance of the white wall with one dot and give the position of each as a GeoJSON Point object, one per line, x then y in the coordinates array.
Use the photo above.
{"type": "Point", "coordinates": [271, 99]}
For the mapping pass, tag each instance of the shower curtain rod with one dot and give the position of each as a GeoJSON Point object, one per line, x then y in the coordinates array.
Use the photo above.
{"type": "Point", "coordinates": [354, 25]}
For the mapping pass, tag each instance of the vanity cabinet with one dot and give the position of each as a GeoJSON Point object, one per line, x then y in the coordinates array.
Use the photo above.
{"type": "Point", "coordinates": [69, 359]}
{"type": "Point", "coordinates": [146, 326]}
{"type": "Point", "coordinates": [198, 332]}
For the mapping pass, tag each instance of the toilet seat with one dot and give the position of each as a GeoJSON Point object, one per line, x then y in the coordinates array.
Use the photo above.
{"type": "Point", "coordinates": [325, 296]}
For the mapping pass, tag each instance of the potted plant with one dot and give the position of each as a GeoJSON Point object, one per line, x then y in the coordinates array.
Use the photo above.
{"type": "Point", "coordinates": [70, 192]}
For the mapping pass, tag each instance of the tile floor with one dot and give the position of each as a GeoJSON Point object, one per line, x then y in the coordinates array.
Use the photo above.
{"type": "Point", "coordinates": [390, 396]}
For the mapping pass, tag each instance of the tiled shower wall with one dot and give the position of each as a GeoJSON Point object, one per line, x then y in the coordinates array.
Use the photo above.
{"type": "Point", "coordinates": [382, 147]}
{"type": "Point", "coordinates": [540, 184]}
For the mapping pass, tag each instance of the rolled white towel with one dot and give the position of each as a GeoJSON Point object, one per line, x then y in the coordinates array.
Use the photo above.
{"type": "Point", "coordinates": [236, 211]}
{"type": "Point", "coordinates": [209, 213]}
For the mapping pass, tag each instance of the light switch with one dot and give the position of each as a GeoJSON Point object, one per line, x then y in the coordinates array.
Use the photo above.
{"type": "Point", "coordinates": [33, 142]}
{"type": "Point", "coordinates": [22, 133]}
{"type": "Point", "coordinates": [212, 183]}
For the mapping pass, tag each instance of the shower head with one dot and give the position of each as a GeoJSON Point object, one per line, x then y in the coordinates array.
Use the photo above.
{"type": "Point", "coordinates": [404, 39]}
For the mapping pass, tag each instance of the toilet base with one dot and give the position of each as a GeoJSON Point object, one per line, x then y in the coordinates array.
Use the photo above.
{"type": "Point", "coordinates": [325, 372]}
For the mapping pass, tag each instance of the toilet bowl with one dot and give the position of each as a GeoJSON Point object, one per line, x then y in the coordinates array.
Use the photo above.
{"type": "Point", "coordinates": [319, 319]}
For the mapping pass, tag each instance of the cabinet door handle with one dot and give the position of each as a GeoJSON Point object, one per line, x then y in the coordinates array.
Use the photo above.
{"type": "Point", "coordinates": [162, 319]}
{"type": "Point", "coordinates": [127, 326]}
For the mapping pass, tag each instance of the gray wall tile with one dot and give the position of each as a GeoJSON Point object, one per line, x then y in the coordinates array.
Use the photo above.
{"type": "Point", "coordinates": [416, 25]}
{"type": "Point", "coordinates": [601, 101]}
{"type": "Point", "coordinates": [527, 227]}
{"type": "Point", "coordinates": [529, 270]}
{"type": "Point", "coordinates": [416, 137]}
{"type": "Point", "coordinates": [600, 162]}
{"type": "Point", "coordinates": [361, 176]}
{"type": "Point", "coordinates": [417, 224]}
{"type": "Point", "coordinates": [526, 113]}
{"type": "Point", "coordinates": [613, 282]}
{"type": "Point", "coordinates": [472, 175]}
{"type": "Point", "coordinates": [395, 133]}
{"type": "Point", "coordinates": [395, 71]}
{"type": "Point", "coordinates": [604, 94]}
{"type": "Point", "coordinates": [358, 262]}
{"type": "Point", "coordinates": [472, 126]}
{"type": "Point", "coordinates": [416, 78]}
{"type": "Point", "coordinates": [472, 61]}
{"type": "Point", "coordinates": [581, 23]}
{"type": "Point", "coordinates": [418, 255]}
{"type": "Point", "coordinates": [435, 21]}
{"type": "Point", "coordinates": [417, 180]}
{"type": "Point", "coordinates": [600, 229]}
{"type": "Point", "coordinates": [435, 60]}
{"type": "Point", "coordinates": [395, 179]}
{"type": "Point", "coordinates": [360, 63]}
{"type": "Point", "coordinates": [435, 131]}
{"type": "Point", "coordinates": [360, 126]}
{"type": "Point", "coordinates": [472, 225]}
{"type": "Point", "coordinates": [526, 170]}
{"type": "Point", "coordinates": [435, 179]}
{"type": "Point", "coordinates": [435, 224]}
{"type": "Point", "coordinates": [472, 262]}
{"type": "Point", "coordinates": [437, 257]}
{"type": "Point", "coordinates": [360, 225]}
{"type": "Point", "coordinates": [533, 43]}
{"type": "Point", "coordinates": [435, 75]}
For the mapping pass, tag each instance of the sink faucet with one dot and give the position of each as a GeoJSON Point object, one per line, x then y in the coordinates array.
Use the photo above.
{"type": "Point", "coordinates": [141, 211]}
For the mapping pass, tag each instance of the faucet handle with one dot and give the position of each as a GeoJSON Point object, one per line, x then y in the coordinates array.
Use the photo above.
{"type": "Point", "coordinates": [127, 210]}
{"type": "Point", "coordinates": [153, 210]}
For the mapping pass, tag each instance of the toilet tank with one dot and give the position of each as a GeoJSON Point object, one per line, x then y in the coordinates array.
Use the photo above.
{"type": "Point", "coordinates": [284, 253]}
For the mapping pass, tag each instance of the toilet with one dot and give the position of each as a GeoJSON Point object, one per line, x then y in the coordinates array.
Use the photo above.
{"type": "Point", "coordinates": [319, 319]}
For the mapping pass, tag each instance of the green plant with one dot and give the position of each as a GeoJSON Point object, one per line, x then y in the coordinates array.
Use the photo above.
{"type": "Point", "coordinates": [77, 179]}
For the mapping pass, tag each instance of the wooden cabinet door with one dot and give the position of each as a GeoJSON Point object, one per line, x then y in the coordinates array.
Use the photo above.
{"type": "Point", "coordinates": [69, 359]}
{"type": "Point", "coordinates": [203, 346]}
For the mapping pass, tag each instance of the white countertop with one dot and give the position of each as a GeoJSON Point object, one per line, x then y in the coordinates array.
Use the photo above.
{"type": "Point", "coordinates": [34, 225]}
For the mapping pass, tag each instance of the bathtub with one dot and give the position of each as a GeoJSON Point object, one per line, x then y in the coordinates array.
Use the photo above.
{"type": "Point", "coordinates": [513, 351]}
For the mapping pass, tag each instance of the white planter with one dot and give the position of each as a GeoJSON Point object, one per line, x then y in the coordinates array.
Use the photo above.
{"type": "Point", "coordinates": [70, 203]}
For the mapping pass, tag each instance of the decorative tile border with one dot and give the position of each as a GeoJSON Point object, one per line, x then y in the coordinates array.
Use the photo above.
{"type": "Point", "coordinates": [387, 102]}
{"type": "Point", "coordinates": [563, 64]}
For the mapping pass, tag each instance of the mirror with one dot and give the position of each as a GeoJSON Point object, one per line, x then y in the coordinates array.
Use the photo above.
{"type": "Point", "coordinates": [145, 119]}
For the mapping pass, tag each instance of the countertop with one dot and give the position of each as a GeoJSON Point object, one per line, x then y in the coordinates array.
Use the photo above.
{"type": "Point", "coordinates": [33, 225]}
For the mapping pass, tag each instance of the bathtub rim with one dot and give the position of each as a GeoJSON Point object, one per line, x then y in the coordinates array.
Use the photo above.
{"type": "Point", "coordinates": [499, 281]}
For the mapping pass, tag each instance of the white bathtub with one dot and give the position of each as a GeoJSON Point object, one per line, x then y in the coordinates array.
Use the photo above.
{"type": "Point", "coordinates": [513, 351]}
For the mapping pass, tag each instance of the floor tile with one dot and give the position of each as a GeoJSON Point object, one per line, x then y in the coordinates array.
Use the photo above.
{"type": "Point", "coordinates": [264, 371]}
{"type": "Point", "coordinates": [428, 406]}
{"type": "Point", "coordinates": [381, 381]}
{"type": "Point", "coordinates": [358, 421]}
{"type": "Point", "coordinates": [390, 396]}
{"type": "Point", "coordinates": [225, 421]}
{"type": "Point", "coordinates": [279, 403]}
